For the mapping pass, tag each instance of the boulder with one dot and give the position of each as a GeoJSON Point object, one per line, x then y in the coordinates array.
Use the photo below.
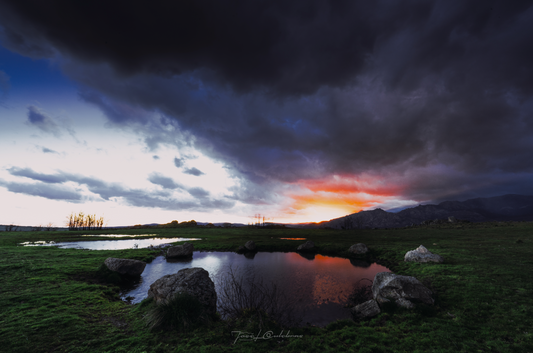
{"type": "Point", "coordinates": [421, 254]}
{"type": "Point", "coordinates": [125, 267]}
{"type": "Point", "coordinates": [307, 246]}
{"type": "Point", "coordinates": [184, 250]}
{"type": "Point", "coordinates": [250, 245]}
{"type": "Point", "coordinates": [367, 309]}
{"type": "Point", "coordinates": [241, 249]}
{"type": "Point", "coordinates": [358, 249]}
{"type": "Point", "coordinates": [389, 286]}
{"type": "Point", "coordinates": [404, 303]}
{"type": "Point", "coordinates": [194, 281]}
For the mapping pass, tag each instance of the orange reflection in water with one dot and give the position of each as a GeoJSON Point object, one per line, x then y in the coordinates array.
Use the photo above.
{"type": "Point", "coordinates": [293, 238]}
{"type": "Point", "coordinates": [335, 280]}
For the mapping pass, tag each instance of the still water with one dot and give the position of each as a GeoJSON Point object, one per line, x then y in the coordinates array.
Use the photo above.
{"type": "Point", "coordinates": [322, 284]}
{"type": "Point", "coordinates": [111, 244]}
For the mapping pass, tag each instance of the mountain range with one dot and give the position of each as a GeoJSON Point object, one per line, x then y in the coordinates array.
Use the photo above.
{"type": "Point", "coordinates": [510, 207]}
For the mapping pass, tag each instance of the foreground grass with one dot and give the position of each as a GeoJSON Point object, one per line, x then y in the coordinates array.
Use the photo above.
{"type": "Point", "coordinates": [52, 300]}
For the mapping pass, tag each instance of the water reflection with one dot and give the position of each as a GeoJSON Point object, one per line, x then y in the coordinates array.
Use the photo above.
{"type": "Point", "coordinates": [293, 238]}
{"type": "Point", "coordinates": [112, 244]}
{"type": "Point", "coordinates": [118, 235]}
{"type": "Point", "coordinates": [322, 285]}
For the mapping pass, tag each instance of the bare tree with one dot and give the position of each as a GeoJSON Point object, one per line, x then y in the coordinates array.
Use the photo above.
{"type": "Point", "coordinates": [82, 221]}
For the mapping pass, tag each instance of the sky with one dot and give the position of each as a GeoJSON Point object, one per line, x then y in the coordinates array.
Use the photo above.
{"type": "Point", "coordinates": [300, 111]}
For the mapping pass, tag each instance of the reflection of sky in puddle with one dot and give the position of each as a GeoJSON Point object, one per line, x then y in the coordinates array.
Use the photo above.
{"type": "Point", "coordinates": [293, 238]}
{"type": "Point", "coordinates": [322, 284]}
{"type": "Point", "coordinates": [110, 244]}
{"type": "Point", "coordinates": [118, 235]}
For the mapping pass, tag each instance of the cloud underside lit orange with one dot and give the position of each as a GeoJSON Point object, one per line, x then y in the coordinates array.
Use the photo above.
{"type": "Point", "coordinates": [340, 195]}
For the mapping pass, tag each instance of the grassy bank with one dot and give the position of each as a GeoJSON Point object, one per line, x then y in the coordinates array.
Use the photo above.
{"type": "Point", "coordinates": [53, 300]}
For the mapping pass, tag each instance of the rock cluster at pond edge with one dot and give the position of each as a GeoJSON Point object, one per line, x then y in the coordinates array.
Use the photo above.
{"type": "Point", "coordinates": [404, 291]}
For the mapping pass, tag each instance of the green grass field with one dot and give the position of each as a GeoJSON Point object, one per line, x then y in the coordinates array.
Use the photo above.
{"type": "Point", "coordinates": [53, 300]}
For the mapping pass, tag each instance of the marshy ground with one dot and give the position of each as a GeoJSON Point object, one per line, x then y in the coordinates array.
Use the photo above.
{"type": "Point", "coordinates": [56, 300]}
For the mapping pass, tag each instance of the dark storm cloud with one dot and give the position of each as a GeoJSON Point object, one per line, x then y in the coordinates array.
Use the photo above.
{"type": "Point", "coordinates": [287, 91]}
{"type": "Point", "coordinates": [285, 47]}
{"type": "Point", "coordinates": [193, 171]}
{"type": "Point", "coordinates": [4, 85]}
{"type": "Point", "coordinates": [108, 191]}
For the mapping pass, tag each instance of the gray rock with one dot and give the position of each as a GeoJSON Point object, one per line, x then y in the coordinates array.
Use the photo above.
{"type": "Point", "coordinates": [125, 267]}
{"type": "Point", "coordinates": [250, 245]}
{"type": "Point", "coordinates": [194, 281]}
{"type": "Point", "coordinates": [452, 219]}
{"type": "Point", "coordinates": [241, 249]}
{"type": "Point", "coordinates": [404, 303]}
{"type": "Point", "coordinates": [358, 249]}
{"type": "Point", "coordinates": [308, 245]}
{"type": "Point", "coordinates": [184, 250]}
{"type": "Point", "coordinates": [421, 254]}
{"type": "Point", "coordinates": [367, 309]}
{"type": "Point", "coordinates": [389, 286]}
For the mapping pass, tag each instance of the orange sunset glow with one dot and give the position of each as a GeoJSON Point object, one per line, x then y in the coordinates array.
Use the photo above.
{"type": "Point", "coordinates": [337, 196]}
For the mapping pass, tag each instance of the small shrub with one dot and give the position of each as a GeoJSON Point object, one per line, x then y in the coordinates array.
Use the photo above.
{"type": "Point", "coordinates": [257, 301]}
{"type": "Point", "coordinates": [361, 292]}
{"type": "Point", "coordinates": [182, 312]}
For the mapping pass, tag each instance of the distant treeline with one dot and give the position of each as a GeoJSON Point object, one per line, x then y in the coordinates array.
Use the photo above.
{"type": "Point", "coordinates": [193, 223]}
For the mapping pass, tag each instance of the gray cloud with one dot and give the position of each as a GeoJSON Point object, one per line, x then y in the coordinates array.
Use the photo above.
{"type": "Point", "coordinates": [193, 171]}
{"type": "Point", "coordinates": [42, 121]}
{"type": "Point", "coordinates": [198, 192]}
{"type": "Point", "coordinates": [31, 174]}
{"type": "Point", "coordinates": [47, 150]}
{"type": "Point", "coordinates": [155, 157]}
{"type": "Point", "coordinates": [281, 93]}
{"type": "Point", "coordinates": [163, 181]}
{"type": "Point", "coordinates": [178, 162]}
{"type": "Point", "coordinates": [52, 192]}
{"type": "Point", "coordinates": [108, 191]}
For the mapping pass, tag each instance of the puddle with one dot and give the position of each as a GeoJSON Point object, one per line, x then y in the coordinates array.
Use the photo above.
{"type": "Point", "coordinates": [118, 235]}
{"type": "Point", "coordinates": [322, 285]}
{"type": "Point", "coordinates": [293, 238]}
{"type": "Point", "coordinates": [38, 243]}
{"type": "Point", "coordinates": [112, 244]}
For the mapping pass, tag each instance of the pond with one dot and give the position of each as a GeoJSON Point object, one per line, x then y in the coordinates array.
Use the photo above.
{"type": "Point", "coordinates": [111, 244]}
{"type": "Point", "coordinates": [118, 235]}
{"type": "Point", "coordinates": [321, 285]}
